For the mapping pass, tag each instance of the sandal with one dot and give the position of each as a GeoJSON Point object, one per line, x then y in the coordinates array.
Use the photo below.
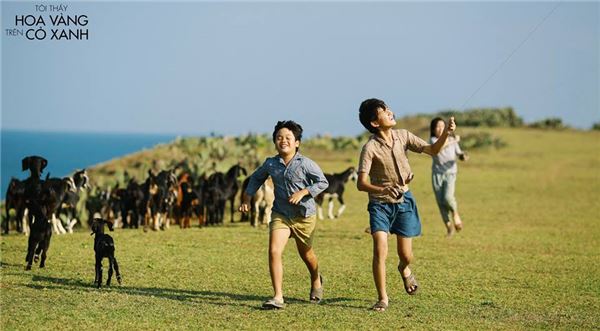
{"type": "Point", "coordinates": [380, 306]}
{"type": "Point", "coordinates": [409, 282]}
{"type": "Point", "coordinates": [316, 294]}
{"type": "Point", "coordinates": [273, 304]}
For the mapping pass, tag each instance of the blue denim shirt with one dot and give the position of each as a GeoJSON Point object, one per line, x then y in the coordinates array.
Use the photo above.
{"type": "Point", "coordinates": [299, 174]}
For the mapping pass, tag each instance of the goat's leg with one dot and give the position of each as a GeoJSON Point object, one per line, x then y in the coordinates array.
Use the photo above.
{"type": "Point", "coordinates": [71, 225]}
{"type": "Point", "coordinates": [25, 221]}
{"type": "Point", "coordinates": [98, 271]}
{"type": "Point", "coordinates": [57, 224]}
{"type": "Point", "coordinates": [110, 269]}
{"type": "Point", "coordinates": [222, 212]}
{"type": "Point", "coordinates": [124, 217]}
{"type": "Point", "coordinates": [30, 250]}
{"type": "Point", "coordinates": [180, 218]}
{"type": "Point", "coordinates": [46, 245]}
{"type": "Point", "coordinates": [116, 265]}
{"type": "Point", "coordinates": [54, 225]}
{"type": "Point", "coordinates": [255, 213]}
{"type": "Point", "coordinates": [19, 220]}
{"type": "Point", "coordinates": [156, 222]}
{"type": "Point", "coordinates": [330, 212]}
{"type": "Point", "coordinates": [38, 251]}
{"type": "Point", "coordinates": [147, 220]}
{"type": "Point", "coordinates": [342, 206]}
{"type": "Point", "coordinates": [319, 202]}
{"type": "Point", "coordinates": [167, 220]}
{"type": "Point", "coordinates": [135, 219]}
{"type": "Point", "coordinates": [6, 221]}
{"type": "Point", "coordinates": [231, 207]}
{"type": "Point", "coordinates": [61, 228]}
{"type": "Point", "coordinates": [268, 211]}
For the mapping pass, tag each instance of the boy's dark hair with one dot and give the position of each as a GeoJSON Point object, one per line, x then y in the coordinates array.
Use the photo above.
{"type": "Point", "coordinates": [368, 113]}
{"type": "Point", "coordinates": [290, 125]}
{"type": "Point", "coordinates": [433, 124]}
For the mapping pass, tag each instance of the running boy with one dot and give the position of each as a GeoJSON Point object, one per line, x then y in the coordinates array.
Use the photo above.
{"type": "Point", "coordinates": [392, 208]}
{"type": "Point", "coordinates": [297, 180]}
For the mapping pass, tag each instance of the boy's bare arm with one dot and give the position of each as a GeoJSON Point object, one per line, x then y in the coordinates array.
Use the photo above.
{"type": "Point", "coordinates": [245, 206]}
{"type": "Point", "coordinates": [363, 184]}
{"type": "Point", "coordinates": [436, 147]}
{"type": "Point", "coordinates": [256, 180]}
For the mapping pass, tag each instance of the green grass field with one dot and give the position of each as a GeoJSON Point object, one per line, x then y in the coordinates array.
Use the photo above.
{"type": "Point", "coordinates": [528, 258]}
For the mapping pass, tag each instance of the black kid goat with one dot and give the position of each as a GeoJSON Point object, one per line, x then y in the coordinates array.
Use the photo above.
{"type": "Point", "coordinates": [335, 190]}
{"type": "Point", "coordinates": [104, 246]}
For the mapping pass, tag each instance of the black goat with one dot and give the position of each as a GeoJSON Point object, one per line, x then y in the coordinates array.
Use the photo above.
{"type": "Point", "coordinates": [160, 194]}
{"type": "Point", "coordinates": [335, 190]}
{"type": "Point", "coordinates": [97, 204]}
{"type": "Point", "coordinates": [15, 199]}
{"type": "Point", "coordinates": [33, 184]}
{"type": "Point", "coordinates": [35, 202]}
{"type": "Point", "coordinates": [151, 201]}
{"type": "Point", "coordinates": [39, 238]}
{"type": "Point", "coordinates": [232, 185]}
{"type": "Point", "coordinates": [104, 247]}
{"type": "Point", "coordinates": [190, 198]}
{"type": "Point", "coordinates": [132, 204]}
{"type": "Point", "coordinates": [220, 188]}
{"type": "Point", "coordinates": [214, 198]}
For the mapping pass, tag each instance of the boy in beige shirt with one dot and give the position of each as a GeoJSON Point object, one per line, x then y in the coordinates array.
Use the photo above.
{"type": "Point", "coordinates": [392, 208]}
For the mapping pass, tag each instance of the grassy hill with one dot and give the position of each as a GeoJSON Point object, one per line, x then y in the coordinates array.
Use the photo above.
{"type": "Point", "coordinates": [528, 257]}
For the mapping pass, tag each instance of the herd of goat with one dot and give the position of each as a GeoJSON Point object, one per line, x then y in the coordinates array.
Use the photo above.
{"type": "Point", "coordinates": [172, 196]}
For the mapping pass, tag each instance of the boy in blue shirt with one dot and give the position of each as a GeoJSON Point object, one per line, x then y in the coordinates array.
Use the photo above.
{"type": "Point", "coordinates": [297, 181]}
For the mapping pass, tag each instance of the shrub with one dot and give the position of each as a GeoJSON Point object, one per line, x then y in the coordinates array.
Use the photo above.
{"type": "Point", "coordinates": [490, 117]}
{"type": "Point", "coordinates": [479, 140]}
{"type": "Point", "coordinates": [549, 123]}
{"type": "Point", "coordinates": [333, 143]}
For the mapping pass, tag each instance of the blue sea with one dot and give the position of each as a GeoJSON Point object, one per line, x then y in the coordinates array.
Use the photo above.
{"type": "Point", "coordinates": [67, 152]}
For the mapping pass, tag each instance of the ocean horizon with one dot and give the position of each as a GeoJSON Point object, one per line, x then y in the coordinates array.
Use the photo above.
{"type": "Point", "coordinates": [67, 152]}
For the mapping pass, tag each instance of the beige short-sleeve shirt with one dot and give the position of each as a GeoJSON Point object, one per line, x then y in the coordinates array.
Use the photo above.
{"type": "Point", "coordinates": [388, 165]}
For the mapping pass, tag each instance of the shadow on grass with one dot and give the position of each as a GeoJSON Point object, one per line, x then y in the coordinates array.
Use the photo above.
{"type": "Point", "coordinates": [4, 264]}
{"type": "Point", "coordinates": [210, 297]}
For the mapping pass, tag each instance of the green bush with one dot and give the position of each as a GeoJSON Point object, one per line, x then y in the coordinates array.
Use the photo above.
{"type": "Point", "coordinates": [549, 123]}
{"type": "Point", "coordinates": [479, 140]}
{"type": "Point", "coordinates": [479, 117]}
{"type": "Point", "coordinates": [489, 117]}
{"type": "Point", "coordinates": [333, 143]}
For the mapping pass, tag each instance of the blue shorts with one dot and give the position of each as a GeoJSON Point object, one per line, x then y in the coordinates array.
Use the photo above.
{"type": "Point", "coordinates": [397, 218]}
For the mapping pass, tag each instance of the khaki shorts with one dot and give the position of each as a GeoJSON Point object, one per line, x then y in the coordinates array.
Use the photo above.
{"type": "Point", "coordinates": [300, 228]}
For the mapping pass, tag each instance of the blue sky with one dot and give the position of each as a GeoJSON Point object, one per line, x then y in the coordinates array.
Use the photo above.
{"type": "Point", "coordinates": [238, 67]}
